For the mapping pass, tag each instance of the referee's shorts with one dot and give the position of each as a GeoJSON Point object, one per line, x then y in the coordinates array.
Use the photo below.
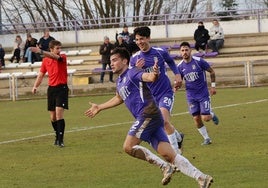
{"type": "Point", "coordinates": [57, 96]}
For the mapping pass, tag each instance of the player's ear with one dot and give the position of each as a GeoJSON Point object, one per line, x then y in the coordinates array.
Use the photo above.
{"type": "Point", "coordinates": [125, 61]}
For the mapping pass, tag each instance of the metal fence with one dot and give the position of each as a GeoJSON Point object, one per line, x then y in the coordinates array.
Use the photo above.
{"type": "Point", "coordinates": [232, 74]}
{"type": "Point", "coordinates": [115, 22]}
{"type": "Point", "coordinates": [242, 74]}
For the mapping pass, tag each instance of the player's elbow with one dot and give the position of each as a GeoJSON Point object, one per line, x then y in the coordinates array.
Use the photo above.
{"type": "Point", "coordinates": [154, 77]}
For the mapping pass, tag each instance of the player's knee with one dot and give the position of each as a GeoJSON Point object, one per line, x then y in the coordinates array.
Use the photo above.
{"type": "Point", "coordinates": [168, 126]}
{"type": "Point", "coordinates": [168, 158]}
{"type": "Point", "coordinates": [206, 118]}
{"type": "Point", "coordinates": [197, 118]}
{"type": "Point", "coordinates": [127, 149]}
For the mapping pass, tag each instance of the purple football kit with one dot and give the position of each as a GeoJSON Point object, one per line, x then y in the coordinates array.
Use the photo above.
{"type": "Point", "coordinates": [140, 102]}
{"type": "Point", "coordinates": [161, 89]}
{"type": "Point", "coordinates": [194, 74]}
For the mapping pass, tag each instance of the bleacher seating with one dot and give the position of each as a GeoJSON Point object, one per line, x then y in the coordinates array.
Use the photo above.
{"type": "Point", "coordinates": [86, 61]}
{"type": "Point", "coordinates": [84, 52]}
{"type": "Point", "coordinates": [76, 62]}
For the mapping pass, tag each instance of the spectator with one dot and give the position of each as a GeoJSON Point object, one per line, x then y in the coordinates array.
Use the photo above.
{"type": "Point", "coordinates": [2, 56]}
{"type": "Point", "coordinates": [120, 42]}
{"type": "Point", "coordinates": [125, 34]}
{"type": "Point", "coordinates": [105, 51]}
{"type": "Point", "coordinates": [201, 37]}
{"type": "Point", "coordinates": [44, 41]}
{"type": "Point", "coordinates": [29, 55]}
{"type": "Point", "coordinates": [129, 38]}
{"type": "Point", "coordinates": [216, 36]}
{"type": "Point", "coordinates": [132, 46]}
{"type": "Point", "coordinates": [18, 49]}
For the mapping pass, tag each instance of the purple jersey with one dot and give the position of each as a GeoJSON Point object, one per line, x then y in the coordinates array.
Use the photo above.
{"type": "Point", "coordinates": [149, 124]}
{"type": "Point", "coordinates": [136, 94]}
{"type": "Point", "coordinates": [194, 74]}
{"type": "Point", "coordinates": [162, 86]}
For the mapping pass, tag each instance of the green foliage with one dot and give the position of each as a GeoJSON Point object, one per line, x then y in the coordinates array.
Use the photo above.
{"type": "Point", "coordinates": [93, 155]}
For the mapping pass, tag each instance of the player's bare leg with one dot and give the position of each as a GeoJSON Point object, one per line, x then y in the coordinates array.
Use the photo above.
{"type": "Point", "coordinates": [132, 147]}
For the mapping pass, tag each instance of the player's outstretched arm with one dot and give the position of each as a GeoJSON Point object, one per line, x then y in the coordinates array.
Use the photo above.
{"type": "Point", "coordinates": [96, 108]}
{"type": "Point", "coordinates": [91, 112]}
{"type": "Point", "coordinates": [45, 53]}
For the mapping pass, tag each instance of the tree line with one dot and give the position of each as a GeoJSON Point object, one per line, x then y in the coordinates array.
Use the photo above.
{"type": "Point", "coordinates": [84, 14]}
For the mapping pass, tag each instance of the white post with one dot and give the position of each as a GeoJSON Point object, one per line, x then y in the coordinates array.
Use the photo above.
{"type": "Point", "coordinates": [248, 74]}
{"type": "Point", "coordinates": [13, 87]}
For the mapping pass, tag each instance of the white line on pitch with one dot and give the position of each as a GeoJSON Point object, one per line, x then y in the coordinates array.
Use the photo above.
{"type": "Point", "coordinates": [115, 124]}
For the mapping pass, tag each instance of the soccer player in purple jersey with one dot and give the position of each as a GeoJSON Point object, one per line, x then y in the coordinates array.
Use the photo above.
{"type": "Point", "coordinates": [193, 71]}
{"type": "Point", "coordinates": [149, 125]}
{"type": "Point", "coordinates": [161, 89]}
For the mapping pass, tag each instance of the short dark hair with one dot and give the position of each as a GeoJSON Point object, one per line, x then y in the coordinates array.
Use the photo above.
{"type": "Point", "coordinates": [185, 44]}
{"type": "Point", "coordinates": [142, 31]}
{"type": "Point", "coordinates": [123, 53]}
{"type": "Point", "coordinates": [200, 22]}
{"type": "Point", "coordinates": [54, 43]}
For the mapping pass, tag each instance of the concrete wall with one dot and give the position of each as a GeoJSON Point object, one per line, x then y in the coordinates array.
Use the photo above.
{"type": "Point", "coordinates": [172, 31]}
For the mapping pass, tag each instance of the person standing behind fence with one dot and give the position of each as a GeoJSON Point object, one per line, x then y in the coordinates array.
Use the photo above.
{"type": "Point", "coordinates": [216, 36]}
{"type": "Point", "coordinates": [193, 71]}
{"type": "Point", "coordinates": [55, 64]}
{"type": "Point", "coordinates": [18, 49]}
{"type": "Point", "coordinates": [105, 52]}
{"type": "Point", "coordinates": [201, 37]}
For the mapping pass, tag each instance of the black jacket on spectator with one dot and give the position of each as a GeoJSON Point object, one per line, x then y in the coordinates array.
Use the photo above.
{"type": "Point", "coordinates": [45, 42]}
{"type": "Point", "coordinates": [2, 56]}
{"type": "Point", "coordinates": [201, 37]}
{"type": "Point", "coordinates": [105, 51]}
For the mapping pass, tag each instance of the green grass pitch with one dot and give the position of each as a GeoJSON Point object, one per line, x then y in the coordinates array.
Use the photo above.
{"type": "Point", "coordinates": [93, 156]}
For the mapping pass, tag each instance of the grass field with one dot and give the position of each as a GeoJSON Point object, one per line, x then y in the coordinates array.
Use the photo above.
{"type": "Point", "coordinates": [93, 156]}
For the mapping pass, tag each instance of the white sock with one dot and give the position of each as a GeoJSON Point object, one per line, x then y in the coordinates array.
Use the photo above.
{"type": "Point", "coordinates": [173, 142]}
{"type": "Point", "coordinates": [212, 114]}
{"type": "Point", "coordinates": [187, 168]}
{"type": "Point", "coordinates": [178, 136]}
{"type": "Point", "coordinates": [203, 132]}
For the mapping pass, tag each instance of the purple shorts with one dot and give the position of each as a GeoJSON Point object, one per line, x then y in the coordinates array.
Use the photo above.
{"type": "Point", "coordinates": [199, 106]}
{"type": "Point", "coordinates": [150, 130]}
{"type": "Point", "coordinates": [166, 101]}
